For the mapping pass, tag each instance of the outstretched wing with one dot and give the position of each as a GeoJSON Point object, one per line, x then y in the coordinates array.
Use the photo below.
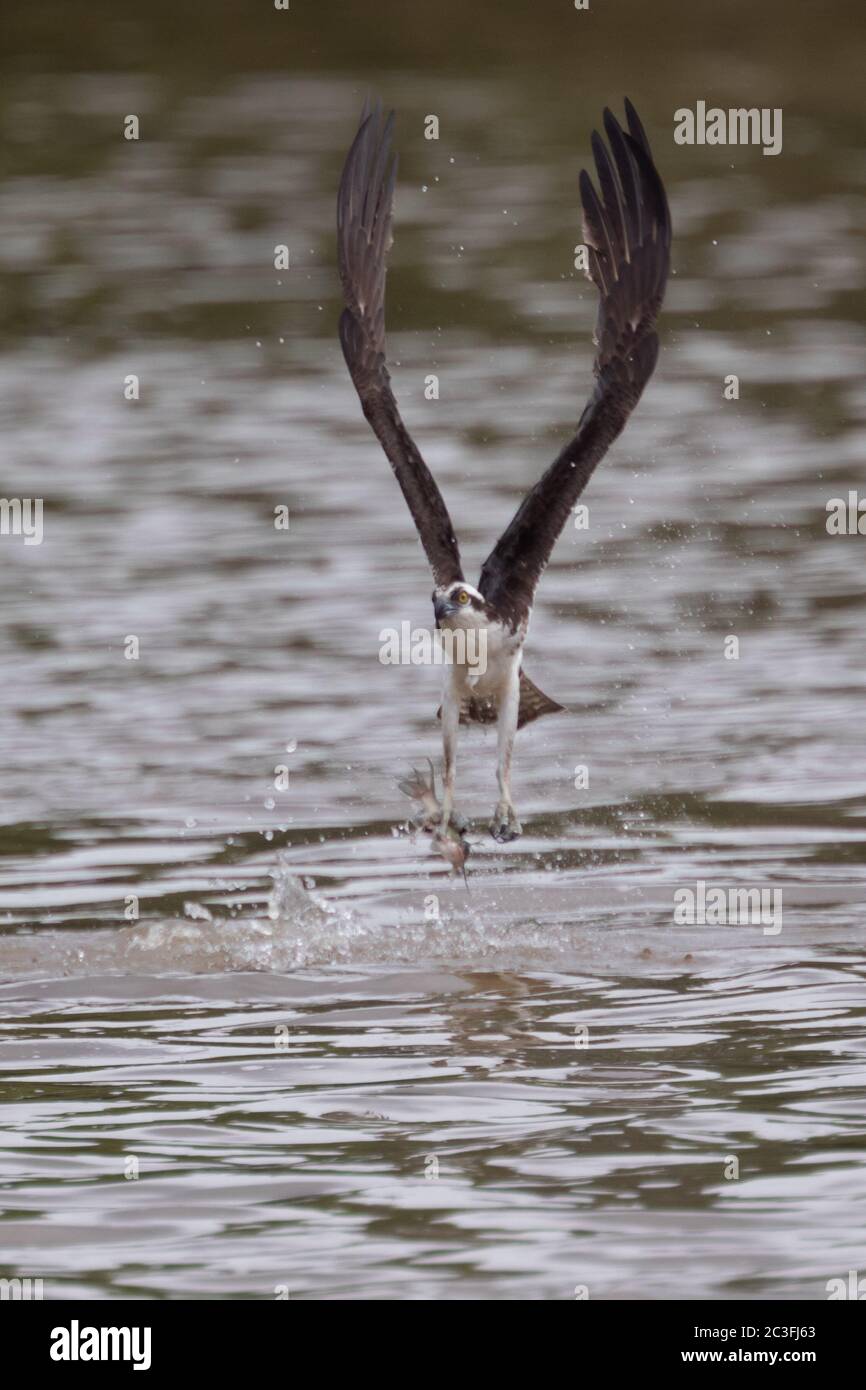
{"type": "Point", "coordinates": [628, 234]}
{"type": "Point", "coordinates": [364, 210]}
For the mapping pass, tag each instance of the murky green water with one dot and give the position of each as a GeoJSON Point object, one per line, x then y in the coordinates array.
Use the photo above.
{"type": "Point", "coordinates": [314, 1062]}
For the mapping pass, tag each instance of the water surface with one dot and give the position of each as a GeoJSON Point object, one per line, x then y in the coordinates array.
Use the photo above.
{"type": "Point", "coordinates": [334, 1070]}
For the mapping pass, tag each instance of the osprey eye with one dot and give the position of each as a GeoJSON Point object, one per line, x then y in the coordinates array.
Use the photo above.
{"type": "Point", "coordinates": [463, 597]}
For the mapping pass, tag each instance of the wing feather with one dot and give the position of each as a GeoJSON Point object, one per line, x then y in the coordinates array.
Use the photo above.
{"type": "Point", "coordinates": [628, 234]}
{"type": "Point", "coordinates": [364, 215]}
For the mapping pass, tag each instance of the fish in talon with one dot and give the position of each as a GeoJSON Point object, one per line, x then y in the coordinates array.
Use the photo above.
{"type": "Point", "coordinates": [454, 850]}
{"type": "Point", "coordinates": [450, 842]}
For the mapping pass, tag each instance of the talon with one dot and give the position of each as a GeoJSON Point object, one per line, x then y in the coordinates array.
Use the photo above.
{"type": "Point", "coordinates": [505, 826]}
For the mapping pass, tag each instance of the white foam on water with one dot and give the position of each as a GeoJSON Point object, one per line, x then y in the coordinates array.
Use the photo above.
{"type": "Point", "coordinates": [504, 923]}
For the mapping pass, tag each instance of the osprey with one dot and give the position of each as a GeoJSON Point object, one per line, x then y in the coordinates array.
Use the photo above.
{"type": "Point", "coordinates": [627, 231]}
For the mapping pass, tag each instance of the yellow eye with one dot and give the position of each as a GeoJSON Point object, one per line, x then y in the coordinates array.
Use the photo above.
{"type": "Point", "coordinates": [463, 597]}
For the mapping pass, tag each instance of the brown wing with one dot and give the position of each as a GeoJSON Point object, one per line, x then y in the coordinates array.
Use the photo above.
{"type": "Point", "coordinates": [364, 212]}
{"type": "Point", "coordinates": [628, 233]}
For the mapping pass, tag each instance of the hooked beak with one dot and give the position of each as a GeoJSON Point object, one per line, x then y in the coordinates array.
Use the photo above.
{"type": "Point", "coordinates": [443, 608]}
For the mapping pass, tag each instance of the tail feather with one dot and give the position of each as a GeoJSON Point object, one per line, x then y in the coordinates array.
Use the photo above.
{"type": "Point", "coordinates": [533, 705]}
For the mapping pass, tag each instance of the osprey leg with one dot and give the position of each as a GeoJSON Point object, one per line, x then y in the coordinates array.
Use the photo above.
{"type": "Point", "coordinates": [450, 730]}
{"type": "Point", "coordinates": [505, 824]}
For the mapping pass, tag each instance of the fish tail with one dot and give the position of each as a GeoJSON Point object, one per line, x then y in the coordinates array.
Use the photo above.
{"type": "Point", "coordinates": [417, 785]}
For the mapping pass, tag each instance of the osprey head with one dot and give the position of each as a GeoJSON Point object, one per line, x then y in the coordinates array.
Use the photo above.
{"type": "Point", "coordinates": [459, 605]}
